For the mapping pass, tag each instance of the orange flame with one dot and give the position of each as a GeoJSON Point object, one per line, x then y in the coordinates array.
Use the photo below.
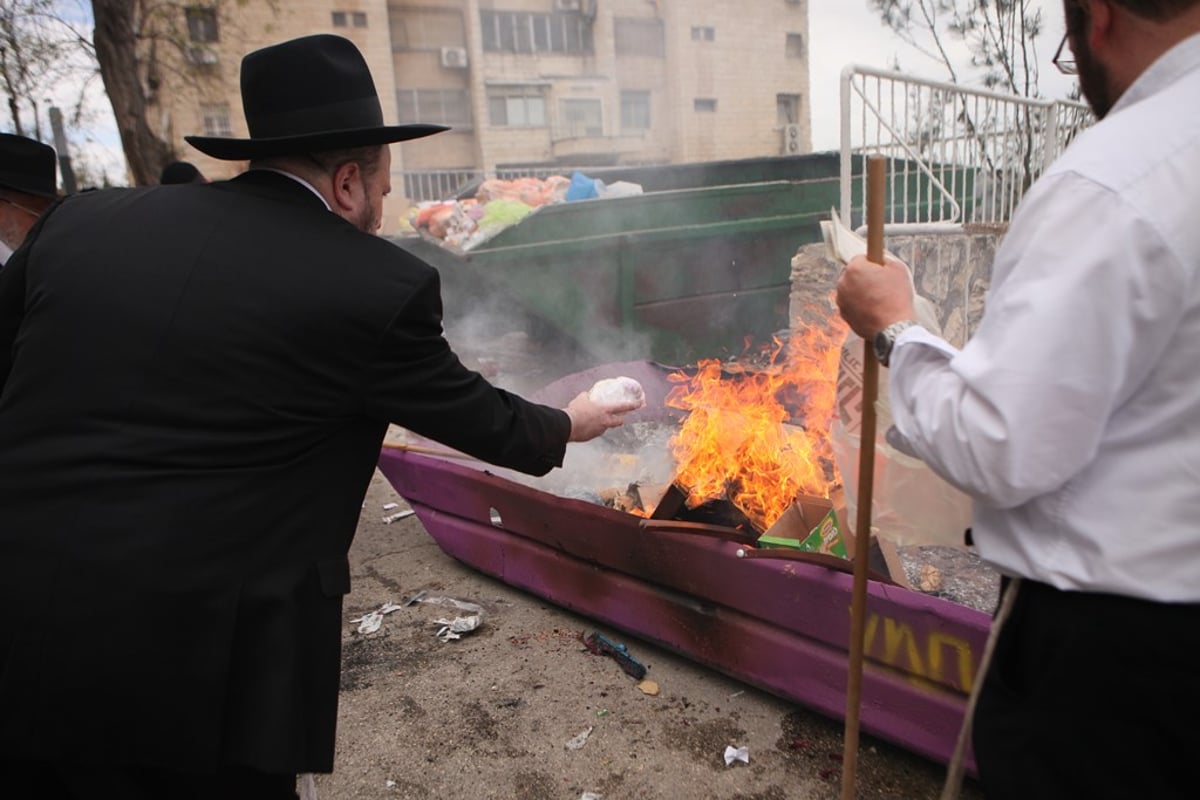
{"type": "Point", "coordinates": [760, 436]}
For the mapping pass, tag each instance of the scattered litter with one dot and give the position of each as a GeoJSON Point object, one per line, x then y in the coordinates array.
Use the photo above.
{"type": "Point", "coordinates": [591, 796]}
{"type": "Point", "coordinates": [389, 783]}
{"type": "Point", "coordinates": [449, 601]}
{"type": "Point", "coordinates": [455, 628]}
{"type": "Point", "coordinates": [600, 645]}
{"type": "Point", "coordinates": [416, 598]}
{"type": "Point", "coordinates": [602, 712]}
{"type": "Point", "coordinates": [580, 740]}
{"type": "Point", "coordinates": [390, 506]}
{"type": "Point", "coordinates": [390, 518]}
{"type": "Point", "coordinates": [738, 693]}
{"type": "Point", "coordinates": [931, 578]}
{"type": "Point", "coordinates": [649, 687]}
{"type": "Point", "coordinates": [369, 623]}
{"type": "Point", "coordinates": [736, 754]}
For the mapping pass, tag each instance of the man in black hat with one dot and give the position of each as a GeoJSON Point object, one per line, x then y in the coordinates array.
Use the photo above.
{"type": "Point", "coordinates": [27, 188]}
{"type": "Point", "coordinates": [189, 419]}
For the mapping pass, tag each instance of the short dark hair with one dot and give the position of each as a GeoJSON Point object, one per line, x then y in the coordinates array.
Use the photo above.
{"type": "Point", "coordinates": [368, 157]}
{"type": "Point", "coordinates": [1157, 10]}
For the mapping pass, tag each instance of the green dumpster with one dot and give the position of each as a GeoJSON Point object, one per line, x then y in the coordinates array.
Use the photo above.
{"type": "Point", "coordinates": [695, 267]}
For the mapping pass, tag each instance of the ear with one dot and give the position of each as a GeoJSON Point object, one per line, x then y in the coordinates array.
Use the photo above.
{"type": "Point", "coordinates": [1099, 23]}
{"type": "Point", "coordinates": [348, 189]}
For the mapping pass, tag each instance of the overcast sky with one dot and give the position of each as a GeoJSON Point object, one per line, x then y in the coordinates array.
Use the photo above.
{"type": "Point", "coordinates": [841, 32]}
{"type": "Point", "coordinates": [845, 32]}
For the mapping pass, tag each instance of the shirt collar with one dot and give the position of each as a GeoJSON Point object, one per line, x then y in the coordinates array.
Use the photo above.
{"type": "Point", "coordinates": [1167, 68]}
{"type": "Point", "coordinates": [298, 180]}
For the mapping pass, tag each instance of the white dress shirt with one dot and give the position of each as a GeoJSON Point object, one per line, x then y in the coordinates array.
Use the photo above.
{"type": "Point", "coordinates": [1072, 416]}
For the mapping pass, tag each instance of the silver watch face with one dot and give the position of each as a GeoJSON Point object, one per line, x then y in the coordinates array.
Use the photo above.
{"type": "Point", "coordinates": [883, 346]}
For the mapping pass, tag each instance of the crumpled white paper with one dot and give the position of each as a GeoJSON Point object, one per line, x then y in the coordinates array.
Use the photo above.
{"type": "Point", "coordinates": [733, 754]}
{"type": "Point", "coordinates": [580, 740]}
{"type": "Point", "coordinates": [369, 623]}
{"type": "Point", "coordinates": [455, 628]}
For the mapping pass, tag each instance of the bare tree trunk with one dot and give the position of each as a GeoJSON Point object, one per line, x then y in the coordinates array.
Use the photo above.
{"type": "Point", "coordinates": [116, 44]}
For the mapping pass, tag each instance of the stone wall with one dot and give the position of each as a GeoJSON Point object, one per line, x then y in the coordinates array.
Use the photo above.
{"type": "Point", "coordinates": [951, 270]}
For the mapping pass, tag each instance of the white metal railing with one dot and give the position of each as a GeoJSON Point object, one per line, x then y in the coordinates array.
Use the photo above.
{"type": "Point", "coordinates": [956, 156]}
{"type": "Point", "coordinates": [434, 184]}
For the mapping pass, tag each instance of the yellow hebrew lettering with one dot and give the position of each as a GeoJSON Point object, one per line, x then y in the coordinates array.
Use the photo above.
{"type": "Point", "coordinates": [897, 635]}
{"type": "Point", "coordinates": [938, 641]}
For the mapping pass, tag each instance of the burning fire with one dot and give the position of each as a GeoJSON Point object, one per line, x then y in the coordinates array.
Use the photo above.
{"type": "Point", "coordinates": [741, 440]}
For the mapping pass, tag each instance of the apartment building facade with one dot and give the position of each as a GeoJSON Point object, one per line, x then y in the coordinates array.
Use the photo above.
{"type": "Point", "coordinates": [527, 86]}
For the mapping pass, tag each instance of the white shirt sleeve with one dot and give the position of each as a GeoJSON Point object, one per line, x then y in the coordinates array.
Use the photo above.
{"type": "Point", "coordinates": [1073, 321]}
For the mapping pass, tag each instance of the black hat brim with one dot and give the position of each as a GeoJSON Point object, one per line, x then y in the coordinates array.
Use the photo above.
{"type": "Point", "coordinates": [228, 149]}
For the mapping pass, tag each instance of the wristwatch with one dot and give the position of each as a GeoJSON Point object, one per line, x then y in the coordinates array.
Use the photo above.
{"type": "Point", "coordinates": [885, 340]}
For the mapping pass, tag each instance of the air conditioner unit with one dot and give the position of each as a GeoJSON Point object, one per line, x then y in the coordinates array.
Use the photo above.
{"type": "Point", "coordinates": [568, 5]}
{"type": "Point", "coordinates": [454, 57]}
{"type": "Point", "coordinates": [792, 141]}
{"type": "Point", "coordinates": [202, 56]}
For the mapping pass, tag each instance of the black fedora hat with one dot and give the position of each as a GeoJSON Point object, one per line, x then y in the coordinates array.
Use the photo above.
{"type": "Point", "coordinates": [305, 95]}
{"type": "Point", "coordinates": [27, 166]}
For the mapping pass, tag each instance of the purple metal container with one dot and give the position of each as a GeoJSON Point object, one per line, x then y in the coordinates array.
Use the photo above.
{"type": "Point", "coordinates": [782, 626]}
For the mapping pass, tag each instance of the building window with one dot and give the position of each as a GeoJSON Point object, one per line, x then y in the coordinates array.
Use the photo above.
{"type": "Point", "coordinates": [528, 32]}
{"type": "Point", "coordinates": [342, 19]}
{"type": "Point", "coordinates": [426, 29]}
{"type": "Point", "coordinates": [201, 24]}
{"type": "Point", "coordinates": [578, 118]}
{"type": "Point", "coordinates": [704, 104]}
{"type": "Point", "coordinates": [437, 106]}
{"type": "Point", "coordinates": [517, 107]}
{"type": "Point", "coordinates": [795, 45]}
{"type": "Point", "coordinates": [635, 110]}
{"type": "Point", "coordinates": [639, 37]}
{"type": "Point", "coordinates": [787, 109]}
{"type": "Point", "coordinates": [703, 34]}
{"type": "Point", "coordinates": [216, 119]}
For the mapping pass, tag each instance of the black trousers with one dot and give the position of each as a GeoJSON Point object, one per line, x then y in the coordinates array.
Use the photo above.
{"type": "Point", "coordinates": [40, 780]}
{"type": "Point", "coordinates": [1093, 697]}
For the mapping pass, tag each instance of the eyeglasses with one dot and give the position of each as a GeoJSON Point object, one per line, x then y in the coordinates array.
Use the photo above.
{"type": "Point", "coordinates": [1064, 61]}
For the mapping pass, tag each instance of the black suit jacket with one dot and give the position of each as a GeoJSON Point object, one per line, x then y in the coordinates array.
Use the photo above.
{"type": "Point", "coordinates": [195, 383]}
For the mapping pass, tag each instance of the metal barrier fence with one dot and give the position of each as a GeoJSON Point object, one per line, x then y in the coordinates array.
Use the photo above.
{"type": "Point", "coordinates": [956, 156]}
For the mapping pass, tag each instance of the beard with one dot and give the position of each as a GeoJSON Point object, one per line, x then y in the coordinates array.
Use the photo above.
{"type": "Point", "coordinates": [368, 219]}
{"type": "Point", "coordinates": [1093, 77]}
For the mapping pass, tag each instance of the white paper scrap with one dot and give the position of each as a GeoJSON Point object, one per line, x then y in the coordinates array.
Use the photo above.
{"type": "Point", "coordinates": [455, 628]}
{"type": "Point", "coordinates": [369, 623]}
{"type": "Point", "coordinates": [733, 754]}
{"type": "Point", "coordinates": [580, 740]}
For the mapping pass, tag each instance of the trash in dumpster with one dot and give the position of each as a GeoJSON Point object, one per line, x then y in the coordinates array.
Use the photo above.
{"type": "Point", "coordinates": [600, 645]}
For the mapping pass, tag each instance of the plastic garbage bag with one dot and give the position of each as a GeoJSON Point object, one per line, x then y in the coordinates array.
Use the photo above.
{"type": "Point", "coordinates": [583, 188]}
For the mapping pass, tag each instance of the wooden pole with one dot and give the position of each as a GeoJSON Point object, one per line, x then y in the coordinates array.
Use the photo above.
{"type": "Point", "coordinates": [866, 479]}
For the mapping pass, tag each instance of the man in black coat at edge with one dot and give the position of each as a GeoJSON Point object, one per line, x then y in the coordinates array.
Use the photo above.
{"type": "Point", "coordinates": [194, 386]}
